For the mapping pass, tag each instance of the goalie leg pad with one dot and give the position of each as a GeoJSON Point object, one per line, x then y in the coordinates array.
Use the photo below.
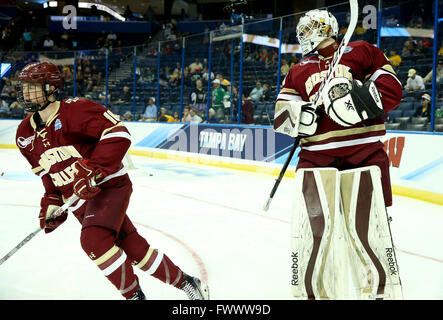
{"type": "Point", "coordinates": [371, 251]}
{"type": "Point", "coordinates": [315, 220]}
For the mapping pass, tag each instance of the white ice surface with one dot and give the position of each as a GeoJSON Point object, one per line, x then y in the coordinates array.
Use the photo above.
{"type": "Point", "coordinates": [208, 220]}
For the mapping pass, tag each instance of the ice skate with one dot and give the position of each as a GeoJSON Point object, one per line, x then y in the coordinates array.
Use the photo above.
{"type": "Point", "coordinates": [194, 288]}
{"type": "Point", "coordinates": [138, 295]}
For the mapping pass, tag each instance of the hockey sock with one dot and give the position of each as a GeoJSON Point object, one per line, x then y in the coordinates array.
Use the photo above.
{"type": "Point", "coordinates": [151, 260]}
{"type": "Point", "coordinates": [98, 243]}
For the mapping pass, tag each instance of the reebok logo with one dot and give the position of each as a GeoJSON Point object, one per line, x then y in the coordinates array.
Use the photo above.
{"type": "Point", "coordinates": [391, 262]}
{"type": "Point", "coordinates": [294, 257]}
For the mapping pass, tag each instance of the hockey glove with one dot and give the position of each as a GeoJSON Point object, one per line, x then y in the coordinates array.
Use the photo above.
{"type": "Point", "coordinates": [295, 118]}
{"type": "Point", "coordinates": [350, 102]}
{"type": "Point", "coordinates": [85, 180]}
{"type": "Point", "coordinates": [48, 205]}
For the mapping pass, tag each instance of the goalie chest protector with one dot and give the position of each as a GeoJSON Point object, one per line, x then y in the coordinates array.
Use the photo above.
{"type": "Point", "coordinates": [360, 61]}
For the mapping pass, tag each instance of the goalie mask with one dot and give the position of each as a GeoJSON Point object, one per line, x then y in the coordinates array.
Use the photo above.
{"type": "Point", "coordinates": [34, 85]}
{"type": "Point", "coordinates": [314, 27]}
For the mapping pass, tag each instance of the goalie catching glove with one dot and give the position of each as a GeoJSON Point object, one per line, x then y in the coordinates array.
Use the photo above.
{"type": "Point", "coordinates": [348, 102]}
{"type": "Point", "coordinates": [48, 205]}
{"type": "Point", "coordinates": [295, 118]}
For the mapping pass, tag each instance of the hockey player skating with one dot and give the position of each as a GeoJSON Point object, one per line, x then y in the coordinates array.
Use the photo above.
{"type": "Point", "coordinates": [76, 146]}
{"type": "Point", "coordinates": [342, 179]}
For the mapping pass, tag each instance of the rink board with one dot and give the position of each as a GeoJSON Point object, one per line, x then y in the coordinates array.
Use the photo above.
{"type": "Point", "coordinates": [416, 158]}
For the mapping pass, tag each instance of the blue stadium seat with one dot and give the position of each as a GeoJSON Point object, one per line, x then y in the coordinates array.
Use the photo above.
{"type": "Point", "coordinates": [408, 113]}
{"type": "Point", "coordinates": [406, 105]}
{"type": "Point", "coordinates": [395, 114]}
{"type": "Point", "coordinates": [17, 113]}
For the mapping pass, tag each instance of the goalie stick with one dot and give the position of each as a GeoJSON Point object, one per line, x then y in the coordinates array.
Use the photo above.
{"type": "Point", "coordinates": [33, 234]}
{"type": "Point", "coordinates": [344, 43]}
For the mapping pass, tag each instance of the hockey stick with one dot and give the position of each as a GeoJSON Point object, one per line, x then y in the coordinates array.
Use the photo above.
{"type": "Point", "coordinates": [341, 49]}
{"type": "Point", "coordinates": [32, 235]}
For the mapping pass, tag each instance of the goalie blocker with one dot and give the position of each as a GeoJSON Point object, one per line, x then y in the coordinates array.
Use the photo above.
{"type": "Point", "coordinates": [340, 226]}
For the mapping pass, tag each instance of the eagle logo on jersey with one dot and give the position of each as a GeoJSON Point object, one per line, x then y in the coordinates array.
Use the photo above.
{"type": "Point", "coordinates": [24, 142]}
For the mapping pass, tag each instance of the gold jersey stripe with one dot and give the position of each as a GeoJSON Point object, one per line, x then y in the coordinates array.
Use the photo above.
{"type": "Point", "coordinates": [146, 258]}
{"type": "Point", "coordinates": [108, 254]}
{"type": "Point", "coordinates": [37, 169]}
{"type": "Point", "coordinates": [343, 133]}
{"type": "Point", "coordinates": [287, 90]}
{"type": "Point", "coordinates": [120, 124]}
{"type": "Point", "coordinates": [386, 67]}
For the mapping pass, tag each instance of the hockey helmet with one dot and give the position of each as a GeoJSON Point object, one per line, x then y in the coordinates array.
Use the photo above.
{"type": "Point", "coordinates": [314, 27]}
{"type": "Point", "coordinates": [44, 73]}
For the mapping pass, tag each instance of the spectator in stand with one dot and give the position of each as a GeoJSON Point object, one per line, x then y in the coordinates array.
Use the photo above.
{"type": "Point", "coordinates": [88, 81]}
{"type": "Point", "coordinates": [438, 112]}
{"type": "Point", "coordinates": [185, 114]}
{"type": "Point", "coordinates": [284, 69]}
{"type": "Point", "coordinates": [128, 13]}
{"type": "Point", "coordinates": [176, 117]}
{"type": "Point", "coordinates": [126, 96]}
{"type": "Point", "coordinates": [175, 78]}
{"type": "Point", "coordinates": [421, 49]}
{"type": "Point", "coordinates": [247, 110]}
{"type": "Point", "coordinates": [439, 77]}
{"type": "Point", "coordinates": [394, 58]}
{"type": "Point", "coordinates": [96, 75]}
{"type": "Point", "coordinates": [266, 94]}
{"type": "Point", "coordinates": [408, 47]}
{"type": "Point", "coordinates": [102, 96]}
{"type": "Point", "coordinates": [127, 116]}
{"type": "Point", "coordinates": [48, 44]}
{"type": "Point", "coordinates": [8, 89]}
{"type": "Point", "coordinates": [205, 74]}
{"type": "Point", "coordinates": [27, 40]}
{"type": "Point", "coordinates": [424, 110]}
{"type": "Point", "coordinates": [196, 66]}
{"type": "Point", "coordinates": [164, 117]}
{"type": "Point", "coordinates": [101, 40]}
{"type": "Point", "coordinates": [294, 60]}
{"type": "Point", "coordinates": [211, 117]}
{"type": "Point", "coordinates": [256, 93]}
{"type": "Point", "coordinates": [197, 97]}
{"type": "Point", "coordinates": [67, 74]}
{"type": "Point", "coordinates": [414, 82]}
{"type": "Point", "coordinates": [193, 117]}
{"type": "Point", "coordinates": [217, 99]}
{"type": "Point", "coordinates": [94, 11]}
{"type": "Point", "coordinates": [4, 108]}
{"type": "Point", "coordinates": [150, 111]}
{"type": "Point", "coordinates": [112, 38]}
{"type": "Point", "coordinates": [147, 78]}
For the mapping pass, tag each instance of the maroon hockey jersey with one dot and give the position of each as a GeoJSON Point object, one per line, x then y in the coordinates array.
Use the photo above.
{"type": "Point", "coordinates": [78, 128]}
{"type": "Point", "coordinates": [361, 61]}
